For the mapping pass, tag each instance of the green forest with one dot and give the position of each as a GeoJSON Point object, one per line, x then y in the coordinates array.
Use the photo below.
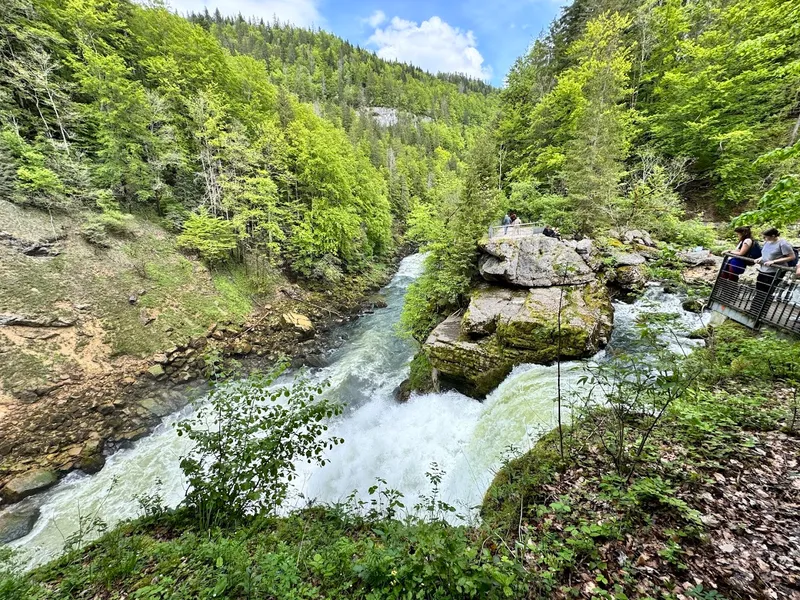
{"type": "Point", "coordinates": [253, 142]}
{"type": "Point", "coordinates": [660, 115]}
{"type": "Point", "coordinates": [233, 187]}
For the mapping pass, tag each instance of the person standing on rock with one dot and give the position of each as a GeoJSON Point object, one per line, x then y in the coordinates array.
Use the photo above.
{"type": "Point", "coordinates": [515, 224]}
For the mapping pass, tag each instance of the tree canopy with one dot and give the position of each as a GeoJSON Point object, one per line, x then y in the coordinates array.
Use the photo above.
{"type": "Point", "coordinates": [247, 139]}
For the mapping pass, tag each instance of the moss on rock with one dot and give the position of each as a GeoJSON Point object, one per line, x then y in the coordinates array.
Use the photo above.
{"type": "Point", "coordinates": [521, 479]}
{"type": "Point", "coordinates": [503, 328]}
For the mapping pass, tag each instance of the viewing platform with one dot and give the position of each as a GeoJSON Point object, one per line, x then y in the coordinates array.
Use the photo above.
{"type": "Point", "coordinates": [522, 230]}
{"type": "Point", "coordinates": [741, 299]}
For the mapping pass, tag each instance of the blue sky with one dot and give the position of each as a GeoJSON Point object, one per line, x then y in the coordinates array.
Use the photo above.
{"type": "Point", "coordinates": [479, 37]}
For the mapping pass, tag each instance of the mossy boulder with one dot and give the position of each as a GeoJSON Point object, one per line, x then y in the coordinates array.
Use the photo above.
{"type": "Point", "coordinates": [28, 484]}
{"type": "Point", "coordinates": [472, 367]}
{"type": "Point", "coordinates": [420, 378]}
{"type": "Point", "coordinates": [503, 328]}
{"type": "Point", "coordinates": [524, 479]}
{"type": "Point", "coordinates": [586, 321]}
{"type": "Point", "coordinates": [629, 278]}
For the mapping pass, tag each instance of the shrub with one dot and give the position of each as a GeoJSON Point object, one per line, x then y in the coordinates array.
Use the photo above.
{"type": "Point", "coordinates": [247, 437]}
{"type": "Point", "coordinates": [211, 237]}
{"type": "Point", "coordinates": [110, 221]}
{"type": "Point", "coordinates": [552, 209]}
{"type": "Point", "coordinates": [29, 174]}
{"type": "Point", "coordinates": [626, 398]}
{"type": "Point", "coordinates": [328, 270]}
{"type": "Point", "coordinates": [690, 232]}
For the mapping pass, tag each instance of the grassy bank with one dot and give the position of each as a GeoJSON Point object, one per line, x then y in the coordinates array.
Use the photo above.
{"type": "Point", "coordinates": [134, 298]}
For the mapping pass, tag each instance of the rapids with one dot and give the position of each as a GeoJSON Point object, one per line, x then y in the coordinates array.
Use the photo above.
{"type": "Point", "coordinates": [398, 442]}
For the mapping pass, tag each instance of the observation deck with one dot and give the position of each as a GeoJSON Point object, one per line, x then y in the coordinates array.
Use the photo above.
{"type": "Point", "coordinates": [522, 230]}
{"type": "Point", "coordinates": [775, 303]}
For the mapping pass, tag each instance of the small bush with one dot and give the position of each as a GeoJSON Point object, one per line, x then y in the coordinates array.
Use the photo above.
{"type": "Point", "coordinates": [691, 232]}
{"type": "Point", "coordinates": [247, 437]}
{"type": "Point", "coordinates": [111, 221]}
{"type": "Point", "coordinates": [328, 270]}
{"type": "Point", "coordinates": [212, 238]}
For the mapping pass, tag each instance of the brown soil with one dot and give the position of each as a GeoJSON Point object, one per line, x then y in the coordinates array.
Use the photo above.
{"type": "Point", "coordinates": [100, 403]}
{"type": "Point", "coordinates": [753, 515]}
{"type": "Point", "coordinates": [750, 548]}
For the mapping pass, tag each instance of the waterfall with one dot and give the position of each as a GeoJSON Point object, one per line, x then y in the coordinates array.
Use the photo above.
{"type": "Point", "coordinates": [398, 442]}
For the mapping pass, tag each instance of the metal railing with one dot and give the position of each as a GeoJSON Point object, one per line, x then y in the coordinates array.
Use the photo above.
{"type": "Point", "coordinates": [772, 300]}
{"type": "Point", "coordinates": [522, 230]}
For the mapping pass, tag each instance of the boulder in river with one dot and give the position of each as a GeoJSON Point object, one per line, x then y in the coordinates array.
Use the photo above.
{"type": "Point", "coordinates": [505, 327]}
{"type": "Point", "coordinates": [629, 278]}
{"type": "Point", "coordinates": [692, 305]}
{"type": "Point", "coordinates": [472, 367]}
{"type": "Point", "coordinates": [17, 522]}
{"type": "Point", "coordinates": [533, 261]}
{"type": "Point", "coordinates": [28, 484]}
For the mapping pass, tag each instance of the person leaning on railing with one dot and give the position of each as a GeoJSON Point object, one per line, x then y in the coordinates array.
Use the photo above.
{"type": "Point", "coordinates": [737, 264]}
{"type": "Point", "coordinates": [776, 254]}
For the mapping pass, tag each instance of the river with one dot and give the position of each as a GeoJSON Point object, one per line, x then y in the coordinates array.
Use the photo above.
{"type": "Point", "coordinates": [398, 442]}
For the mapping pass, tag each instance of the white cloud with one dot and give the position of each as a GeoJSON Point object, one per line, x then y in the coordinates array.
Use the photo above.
{"type": "Point", "coordinates": [376, 18]}
{"type": "Point", "coordinates": [433, 45]}
{"type": "Point", "coordinates": [303, 13]}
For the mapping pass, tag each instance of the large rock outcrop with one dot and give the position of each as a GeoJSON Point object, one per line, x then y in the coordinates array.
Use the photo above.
{"type": "Point", "coordinates": [505, 327]}
{"type": "Point", "coordinates": [533, 261]}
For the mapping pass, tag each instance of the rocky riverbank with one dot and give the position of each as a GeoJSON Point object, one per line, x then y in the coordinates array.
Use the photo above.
{"type": "Point", "coordinates": [76, 422]}
{"type": "Point", "coordinates": [97, 346]}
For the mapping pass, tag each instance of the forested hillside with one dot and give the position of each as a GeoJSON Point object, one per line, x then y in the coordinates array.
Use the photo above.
{"type": "Point", "coordinates": [187, 201]}
{"type": "Point", "coordinates": [319, 67]}
{"type": "Point", "coordinates": [615, 85]}
{"type": "Point", "coordinates": [247, 140]}
{"type": "Point", "coordinates": [166, 180]}
{"type": "Point", "coordinates": [626, 115]}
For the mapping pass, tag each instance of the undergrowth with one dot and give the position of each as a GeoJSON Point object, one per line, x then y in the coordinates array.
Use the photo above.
{"type": "Point", "coordinates": [554, 524]}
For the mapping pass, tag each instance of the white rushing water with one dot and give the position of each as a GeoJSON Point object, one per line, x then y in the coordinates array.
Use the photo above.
{"type": "Point", "coordinates": [398, 442]}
